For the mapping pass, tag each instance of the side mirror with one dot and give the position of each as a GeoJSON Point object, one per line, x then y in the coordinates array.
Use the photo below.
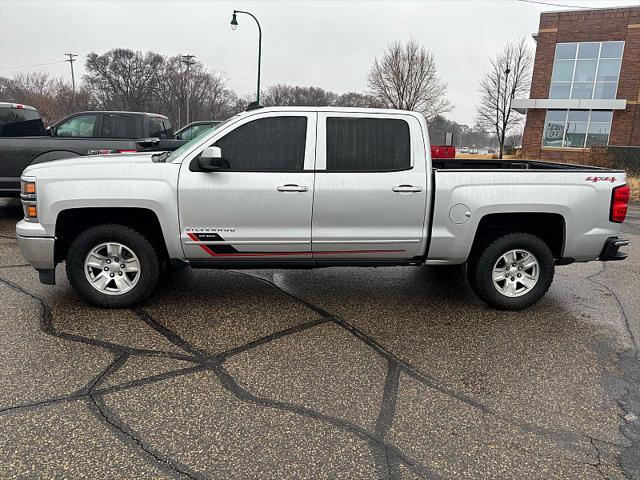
{"type": "Point", "coordinates": [50, 131]}
{"type": "Point", "coordinates": [210, 160]}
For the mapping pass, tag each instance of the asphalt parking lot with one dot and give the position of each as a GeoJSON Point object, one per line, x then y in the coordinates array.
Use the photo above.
{"type": "Point", "coordinates": [332, 373]}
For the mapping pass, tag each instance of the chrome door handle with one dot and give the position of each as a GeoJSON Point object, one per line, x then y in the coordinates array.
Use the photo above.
{"type": "Point", "coordinates": [292, 188]}
{"type": "Point", "coordinates": [406, 189]}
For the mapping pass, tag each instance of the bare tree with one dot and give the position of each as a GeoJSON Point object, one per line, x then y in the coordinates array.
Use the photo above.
{"type": "Point", "coordinates": [123, 79]}
{"type": "Point", "coordinates": [509, 77]}
{"type": "Point", "coordinates": [291, 95]}
{"type": "Point", "coordinates": [209, 97]}
{"type": "Point", "coordinates": [355, 99]}
{"type": "Point", "coordinates": [406, 77]}
{"type": "Point", "coordinates": [52, 97]}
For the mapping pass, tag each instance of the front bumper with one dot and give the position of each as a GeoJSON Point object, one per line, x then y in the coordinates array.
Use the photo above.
{"type": "Point", "coordinates": [611, 252]}
{"type": "Point", "coordinates": [39, 252]}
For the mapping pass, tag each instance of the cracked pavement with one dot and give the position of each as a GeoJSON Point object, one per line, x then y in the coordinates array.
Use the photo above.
{"type": "Point", "coordinates": [332, 373]}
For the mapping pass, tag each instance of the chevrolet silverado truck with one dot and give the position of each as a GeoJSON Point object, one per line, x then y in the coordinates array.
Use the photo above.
{"type": "Point", "coordinates": [24, 141]}
{"type": "Point", "coordinates": [294, 187]}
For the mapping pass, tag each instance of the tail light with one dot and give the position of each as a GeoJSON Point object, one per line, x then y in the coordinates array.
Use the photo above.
{"type": "Point", "coordinates": [443, 151]}
{"type": "Point", "coordinates": [619, 203]}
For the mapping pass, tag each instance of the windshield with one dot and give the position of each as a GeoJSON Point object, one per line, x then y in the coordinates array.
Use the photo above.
{"type": "Point", "coordinates": [192, 143]}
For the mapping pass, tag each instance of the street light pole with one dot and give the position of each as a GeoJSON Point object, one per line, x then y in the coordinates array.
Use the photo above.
{"type": "Point", "coordinates": [505, 112]}
{"type": "Point", "coordinates": [234, 25]}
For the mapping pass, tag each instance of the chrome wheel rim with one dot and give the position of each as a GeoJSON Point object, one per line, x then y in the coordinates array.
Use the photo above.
{"type": "Point", "coordinates": [112, 268]}
{"type": "Point", "coordinates": [516, 273]}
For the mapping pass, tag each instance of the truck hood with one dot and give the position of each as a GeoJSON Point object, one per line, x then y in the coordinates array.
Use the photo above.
{"type": "Point", "coordinates": [99, 161]}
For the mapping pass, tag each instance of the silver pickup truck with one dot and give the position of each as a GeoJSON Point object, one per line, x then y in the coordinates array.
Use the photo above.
{"type": "Point", "coordinates": [316, 187]}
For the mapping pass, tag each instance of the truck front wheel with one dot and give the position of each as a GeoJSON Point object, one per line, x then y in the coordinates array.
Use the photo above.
{"type": "Point", "coordinates": [112, 266]}
{"type": "Point", "coordinates": [512, 272]}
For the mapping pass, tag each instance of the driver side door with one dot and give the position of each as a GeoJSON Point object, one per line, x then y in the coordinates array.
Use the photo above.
{"type": "Point", "coordinates": [259, 209]}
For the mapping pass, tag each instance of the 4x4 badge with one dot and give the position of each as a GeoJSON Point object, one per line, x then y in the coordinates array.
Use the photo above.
{"type": "Point", "coordinates": [600, 179]}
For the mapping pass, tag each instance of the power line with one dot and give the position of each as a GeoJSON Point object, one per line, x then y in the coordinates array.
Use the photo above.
{"type": "Point", "coordinates": [540, 2]}
{"type": "Point", "coordinates": [34, 65]}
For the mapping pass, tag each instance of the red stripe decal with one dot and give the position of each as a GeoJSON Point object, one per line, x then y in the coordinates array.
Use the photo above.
{"type": "Point", "coordinates": [276, 254]}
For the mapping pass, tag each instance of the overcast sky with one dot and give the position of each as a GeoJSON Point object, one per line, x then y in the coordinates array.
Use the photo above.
{"type": "Point", "coordinates": [330, 44]}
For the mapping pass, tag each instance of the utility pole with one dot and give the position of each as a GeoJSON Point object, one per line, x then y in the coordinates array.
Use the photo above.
{"type": "Point", "coordinates": [188, 61]}
{"type": "Point", "coordinates": [72, 58]}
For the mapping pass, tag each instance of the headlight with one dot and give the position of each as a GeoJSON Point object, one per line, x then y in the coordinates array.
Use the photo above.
{"type": "Point", "coordinates": [28, 191]}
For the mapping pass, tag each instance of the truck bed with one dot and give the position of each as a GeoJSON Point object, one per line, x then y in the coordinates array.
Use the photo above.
{"type": "Point", "coordinates": [490, 164]}
{"type": "Point", "coordinates": [468, 190]}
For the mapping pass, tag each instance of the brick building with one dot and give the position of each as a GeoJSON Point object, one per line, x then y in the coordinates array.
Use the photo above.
{"type": "Point", "coordinates": [585, 89]}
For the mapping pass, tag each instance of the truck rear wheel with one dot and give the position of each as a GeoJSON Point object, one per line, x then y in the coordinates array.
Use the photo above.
{"type": "Point", "coordinates": [112, 266]}
{"type": "Point", "coordinates": [512, 272]}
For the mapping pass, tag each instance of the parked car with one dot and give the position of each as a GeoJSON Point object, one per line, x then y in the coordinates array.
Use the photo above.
{"type": "Point", "coordinates": [491, 150]}
{"type": "Point", "coordinates": [299, 187]}
{"type": "Point", "coordinates": [194, 129]}
{"type": "Point", "coordinates": [80, 134]}
{"type": "Point", "coordinates": [17, 120]}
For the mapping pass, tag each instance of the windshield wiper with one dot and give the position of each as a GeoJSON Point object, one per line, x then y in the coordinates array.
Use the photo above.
{"type": "Point", "coordinates": [160, 157]}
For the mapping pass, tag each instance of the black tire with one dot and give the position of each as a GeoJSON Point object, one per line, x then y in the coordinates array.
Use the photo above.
{"type": "Point", "coordinates": [481, 269]}
{"type": "Point", "coordinates": [133, 240]}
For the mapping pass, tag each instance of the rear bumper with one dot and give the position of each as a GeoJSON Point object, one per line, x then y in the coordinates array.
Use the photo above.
{"type": "Point", "coordinates": [610, 251]}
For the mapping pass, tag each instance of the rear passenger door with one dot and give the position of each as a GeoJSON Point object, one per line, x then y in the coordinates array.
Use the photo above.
{"type": "Point", "coordinates": [119, 125]}
{"type": "Point", "coordinates": [370, 188]}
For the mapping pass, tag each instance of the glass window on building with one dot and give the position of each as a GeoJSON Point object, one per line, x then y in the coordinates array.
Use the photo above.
{"type": "Point", "coordinates": [554, 128]}
{"type": "Point", "coordinates": [587, 70]}
{"type": "Point", "coordinates": [577, 128]}
{"type": "Point", "coordinates": [575, 131]}
{"type": "Point", "coordinates": [599, 128]}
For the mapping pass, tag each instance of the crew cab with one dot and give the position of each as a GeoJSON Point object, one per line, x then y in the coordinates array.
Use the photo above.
{"type": "Point", "coordinates": [294, 187]}
{"type": "Point", "coordinates": [25, 142]}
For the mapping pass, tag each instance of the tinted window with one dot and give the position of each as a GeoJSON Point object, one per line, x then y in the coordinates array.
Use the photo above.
{"type": "Point", "coordinates": [367, 144]}
{"type": "Point", "coordinates": [20, 123]}
{"type": "Point", "coordinates": [159, 127]}
{"type": "Point", "coordinates": [119, 126]}
{"type": "Point", "coordinates": [274, 143]}
{"type": "Point", "coordinates": [80, 126]}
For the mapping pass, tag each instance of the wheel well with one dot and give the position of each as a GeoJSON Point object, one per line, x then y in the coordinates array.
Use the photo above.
{"type": "Point", "coordinates": [70, 223]}
{"type": "Point", "coordinates": [550, 227]}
